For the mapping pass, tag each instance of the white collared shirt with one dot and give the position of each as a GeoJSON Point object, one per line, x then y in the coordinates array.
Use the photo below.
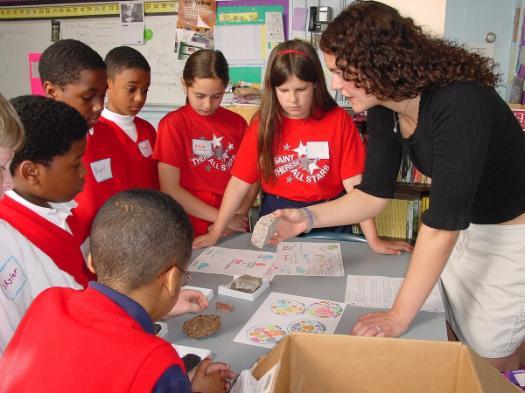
{"type": "Point", "coordinates": [25, 270]}
{"type": "Point", "coordinates": [123, 121]}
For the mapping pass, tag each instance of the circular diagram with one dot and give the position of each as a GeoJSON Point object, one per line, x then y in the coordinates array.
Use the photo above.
{"type": "Point", "coordinates": [306, 327]}
{"type": "Point", "coordinates": [325, 309]}
{"type": "Point", "coordinates": [265, 334]}
{"type": "Point", "coordinates": [287, 307]}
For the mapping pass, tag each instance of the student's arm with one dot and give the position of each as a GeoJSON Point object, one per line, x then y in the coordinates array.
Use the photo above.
{"type": "Point", "coordinates": [370, 231]}
{"type": "Point", "coordinates": [169, 178]}
{"type": "Point", "coordinates": [247, 202]}
{"type": "Point", "coordinates": [433, 248]}
{"type": "Point", "coordinates": [235, 192]}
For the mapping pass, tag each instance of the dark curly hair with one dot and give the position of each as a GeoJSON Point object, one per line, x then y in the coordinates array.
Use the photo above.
{"type": "Point", "coordinates": [137, 235]}
{"type": "Point", "coordinates": [392, 58]}
{"type": "Point", "coordinates": [62, 62]}
{"type": "Point", "coordinates": [51, 127]}
{"type": "Point", "coordinates": [124, 57]}
{"type": "Point", "coordinates": [291, 58]}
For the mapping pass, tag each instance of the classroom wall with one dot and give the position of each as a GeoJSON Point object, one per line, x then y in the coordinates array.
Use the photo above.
{"type": "Point", "coordinates": [18, 38]}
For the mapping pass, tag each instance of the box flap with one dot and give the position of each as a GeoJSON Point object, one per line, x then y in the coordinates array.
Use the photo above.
{"type": "Point", "coordinates": [477, 375]}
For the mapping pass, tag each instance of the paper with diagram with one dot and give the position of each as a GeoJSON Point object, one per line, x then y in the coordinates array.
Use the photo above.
{"type": "Point", "coordinates": [309, 259]}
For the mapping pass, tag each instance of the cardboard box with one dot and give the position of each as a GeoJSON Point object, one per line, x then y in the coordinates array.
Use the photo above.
{"type": "Point", "coordinates": [336, 363]}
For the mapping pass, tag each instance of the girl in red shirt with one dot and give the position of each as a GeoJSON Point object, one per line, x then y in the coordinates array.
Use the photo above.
{"type": "Point", "coordinates": [301, 146]}
{"type": "Point", "coordinates": [197, 145]}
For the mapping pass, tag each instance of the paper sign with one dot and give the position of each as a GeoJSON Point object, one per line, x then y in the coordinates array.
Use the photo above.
{"type": "Point", "coordinates": [145, 148]}
{"type": "Point", "coordinates": [101, 169]}
{"type": "Point", "coordinates": [309, 259]}
{"type": "Point", "coordinates": [274, 27]}
{"type": "Point", "coordinates": [380, 292]}
{"type": "Point", "coordinates": [281, 314]}
{"type": "Point", "coordinates": [318, 150]}
{"type": "Point", "coordinates": [12, 278]}
{"type": "Point", "coordinates": [201, 147]}
{"type": "Point", "coordinates": [34, 76]}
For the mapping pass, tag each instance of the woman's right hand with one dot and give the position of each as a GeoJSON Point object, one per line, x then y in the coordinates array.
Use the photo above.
{"type": "Point", "coordinates": [291, 222]}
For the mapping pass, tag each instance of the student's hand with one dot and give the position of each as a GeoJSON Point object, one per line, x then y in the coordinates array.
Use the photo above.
{"type": "Point", "coordinates": [389, 247]}
{"type": "Point", "coordinates": [238, 223]}
{"type": "Point", "coordinates": [206, 240]}
{"type": "Point", "coordinates": [226, 232]}
{"type": "Point", "coordinates": [189, 300]}
{"type": "Point", "coordinates": [380, 324]}
{"type": "Point", "coordinates": [212, 382]}
{"type": "Point", "coordinates": [291, 223]}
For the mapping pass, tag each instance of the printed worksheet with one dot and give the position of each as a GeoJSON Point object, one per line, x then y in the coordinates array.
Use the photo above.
{"type": "Point", "coordinates": [282, 313]}
{"type": "Point", "coordinates": [309, 259]}
{"type": "Point", "coordinates": [234, 262]}
{"type": "Point", "coordinates": [380, 292]}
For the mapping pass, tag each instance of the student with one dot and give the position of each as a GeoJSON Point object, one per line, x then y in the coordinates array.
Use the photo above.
{"type": "Point", "coordinates": [439, 101]}
{"type": "Point", "coordinates": [141, 244]}
{"type": "Point", "coordinates": [197, 145]}
{"type": "Point", "coordinates": [11, 139]}
{"type": "Point", "coordinates": [39, 248]}
{"type": "Point", "coordinates": [74, 73]}
{"type": "Point", "coordinates": [302, 147]}
{"type": "Point", "coordinates": [120, 146]}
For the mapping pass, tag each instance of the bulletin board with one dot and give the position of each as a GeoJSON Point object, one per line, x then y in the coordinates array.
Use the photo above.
{"type": "Point", "coordinates": [19, 38]}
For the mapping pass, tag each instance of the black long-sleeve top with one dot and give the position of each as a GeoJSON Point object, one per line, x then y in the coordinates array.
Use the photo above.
{"type": "Point", "coordinates": [471, 145]}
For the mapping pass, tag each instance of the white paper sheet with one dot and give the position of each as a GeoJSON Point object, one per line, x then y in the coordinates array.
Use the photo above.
{"type": "Point", "coordinates": [380, 292]}
{"type": "Point", "coordinates": [242, 45]}
{"type": "Point", "coordinates": [282, 313]}
{"type": "Point", "coordinates": [246, 383]}
{"type": "Point", "coordinates": [309, 259]}
{"type": "Point", "coordinates": [234, 262]}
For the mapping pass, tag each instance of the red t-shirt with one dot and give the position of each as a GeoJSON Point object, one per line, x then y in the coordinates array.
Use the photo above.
{"type": "Point", "coordinates": [312, 158]}
{"type": "Point", "coordinates": [115, 163]}
{"type": "Point", "coordinates": [203, 148]}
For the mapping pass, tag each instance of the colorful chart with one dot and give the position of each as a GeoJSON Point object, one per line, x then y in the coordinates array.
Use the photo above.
{"type": "Point", "coordinates": [325, 309]}
{"type": "Point", "coordinates": [265, 334]}
{"type": "Point", "coordinates": [287, 307]}
{"type": "Point", "coordinates": [306, 327]}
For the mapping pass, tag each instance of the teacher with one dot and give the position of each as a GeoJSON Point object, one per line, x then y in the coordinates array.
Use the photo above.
{"type": "Point", "coordinates": [438, 101]}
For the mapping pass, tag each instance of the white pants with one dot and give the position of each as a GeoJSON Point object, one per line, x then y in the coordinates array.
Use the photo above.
{"type": "Point", "coordinates": [484, 281]}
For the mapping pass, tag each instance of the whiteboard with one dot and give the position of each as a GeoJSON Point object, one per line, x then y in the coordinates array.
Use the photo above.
{"type": "Point", "coordinates": [18, 38]}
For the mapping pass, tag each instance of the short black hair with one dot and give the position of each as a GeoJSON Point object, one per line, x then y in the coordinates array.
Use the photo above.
{"type": "Point", "coordinates": [124, 57]}
{"type": "Point", "coordinates": [62, 62]}
{"type": "Point", "coordinates": [137, 235]}
{"type": "Point", "coordinates": [51, 128]}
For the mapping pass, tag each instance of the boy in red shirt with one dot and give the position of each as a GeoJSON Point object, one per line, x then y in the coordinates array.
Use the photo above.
{"type": "Point", "coordinates": [141, 243]}
{"type": "Point", "coordinates": [120, 146]}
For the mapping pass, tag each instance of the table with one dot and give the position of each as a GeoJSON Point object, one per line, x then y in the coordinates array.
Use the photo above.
{"type": "Point", "coordinates": [358, 258]}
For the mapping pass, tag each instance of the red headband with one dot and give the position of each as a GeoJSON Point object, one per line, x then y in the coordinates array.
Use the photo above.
{"type": "Point", "coordinates": [295, 51]}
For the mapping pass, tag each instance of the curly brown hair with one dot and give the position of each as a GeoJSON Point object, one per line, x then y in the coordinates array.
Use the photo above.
{"type": "Point", "coordinates": [290, 58]}
{"type": "Point", "coordinates": [392, 58]}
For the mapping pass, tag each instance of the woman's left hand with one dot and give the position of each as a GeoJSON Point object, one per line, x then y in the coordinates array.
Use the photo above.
{"type": "Point", "coordinates": [392, 247]}
{"type": "Point", "coordinates": [380, 324]}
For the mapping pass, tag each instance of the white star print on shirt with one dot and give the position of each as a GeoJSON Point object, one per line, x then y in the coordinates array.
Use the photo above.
{"type": "Point", "coordinates": [216, 141]}
{"type": "Point", "coordinates": [301, 150]}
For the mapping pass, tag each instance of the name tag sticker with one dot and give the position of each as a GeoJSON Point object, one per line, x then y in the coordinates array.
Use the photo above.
{"type": "Point", "coordinates": [12, 278]}
{"type": "Point", "coordinates": [318, 150]}
{"type": "Point", "coordinates": [145, 148]}
{"type": "Point", "coordinates": [101, 169]}
{"type": "Point", "coordinates": [201, 147]}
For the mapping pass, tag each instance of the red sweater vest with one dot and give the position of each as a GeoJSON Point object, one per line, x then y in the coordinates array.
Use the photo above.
{"type": "Point", "coordinates": [82, 341]}
{"type": "Point", "coordinates": [61, 246]}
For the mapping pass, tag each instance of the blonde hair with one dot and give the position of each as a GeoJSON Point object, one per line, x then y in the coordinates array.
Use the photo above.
{"type": "Point", "coordinates": [11, 129]}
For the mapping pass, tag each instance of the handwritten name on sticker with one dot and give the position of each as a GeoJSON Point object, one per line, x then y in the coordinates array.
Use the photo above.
{"type": "Point", "coordinates": [12, 278]}
{"type": "Point", "coordinates": [101, 169]}
{"type": "Point", "coordinates": [145, 148]}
